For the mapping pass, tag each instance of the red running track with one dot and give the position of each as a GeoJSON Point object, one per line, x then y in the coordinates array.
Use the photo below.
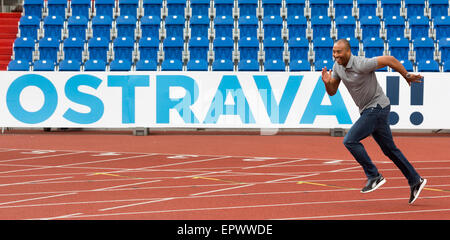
{"type": "Point", "coordinates": [83, 175]}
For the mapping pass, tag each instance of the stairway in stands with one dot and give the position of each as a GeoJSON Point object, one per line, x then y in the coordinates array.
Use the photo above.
{"type": "Point", "coordinates": [8, 32]}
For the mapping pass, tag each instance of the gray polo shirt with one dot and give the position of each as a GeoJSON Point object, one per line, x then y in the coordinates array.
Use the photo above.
{"type": "Point", "coordinates": [361, 82]}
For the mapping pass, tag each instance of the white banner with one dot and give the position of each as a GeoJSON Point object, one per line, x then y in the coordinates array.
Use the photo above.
{"type": "Point", "coordinates": [208, 100]}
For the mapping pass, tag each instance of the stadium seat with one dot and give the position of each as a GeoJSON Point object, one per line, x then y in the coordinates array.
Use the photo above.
{"type": "Point", "coordinates": [126, 26]}
{"type": "Point", "coordinates": [129, 8]}
{"type": "Point", "coordinates": [101, 27]}
{"type": "Point", "coordinates": [274, 49]}
{"type": "Point", "coordinates": [223, 8]}
{"type": "Point", "coordinates": [438, 8]}
{"type": "Point", "coordinates": [399, 48]}
{"type": "Point", "coordinates": [73, 49]}
{"type": "Point", "coordinates": [446, 66]}
{"type": "Point", "coordinates": [407, 64]}
{"type": "Point", "coordinates": [274, 65]}
{"type": "Point", "coordinates": [173, 48]}
{"type": "Point", "coordinates": [328, 63]}
{"type": "Point", "coordinates": [343, 7]}
{"type": "Point", "coordinates": [248, 48]}
{"type": "Point", "coordinates": [346, 26]}
{"type": "Point", "coordinates": [146, 65]}
{"type": "Point", "coordinates": [444, 48]}
{"type": "Point", "coordinates": [69, 65]}
{"type": "Point", "coordinates": [199, 26]}
{"type": "Point", "coordinates": [373, 47]}
{"type": "Point", "coordinates": [171, 65]}
{"type": "Point", "coordinates": [248, 65]}
{"type": "Point", "coordinates": [81, 8]}
{"type": "Point", "coordinates": [442, 26]}
{"type": "Point", "coordinates": [150, 26]}
{"type": "Point", "coordinates": [23, 49]}
{"type": "Point", "coordinates": [57, 8]}
{"type": "Point", "coordinates": [48, 50]}
{"type": "Point", "coordinates": [153, 8]}
{"type": "Point", "coordinates": [323, 48]}
{"type": "Point", "coordinates": [223, 26]}
{"type": "Point", "coordinates": [198, 48]}
{"type": "Point", "coordinates": [248, 26]}
{"type": "Point", "coordinates": [419, 26]}
{"type": "Point", "coordinates": [18, 65]}
{"type": "Point", "coordinates": [105, 8]}
{"type": "Point", "coordinates": [395, 26]}
{"type": "Point", "coordinates": [427, 65]}
{"type": "Point", "coordinates": [414, 8]}
{"type": "Point", "coordinates": [123, 48]}
{"type": "Point", "coordinates": [223, 48]}
{"type": "Point", "coordinates": [272, 7]}
{"type": "Point", "coordinates": [247, 7]}
{"type": "Point", "coordinates": [222, 65]}
{"type": "Point", "coordinates": [29, 27]}
{"type": "Point", "coordinates": [120, 65]}
{"type": "Point", "coordinates": [370, 26]}
{"type": "Point", "coordinates": [174, 26]}
{"type": "Point", "coordinates": [200, 8]}
{"type": "Point", "coordinates": [148, 48]}
{"type": "Point", "coordinates": [176, 7]}
{"type": "Point", "coordinates": [272, 26]}
{"type": "Point", "coordinates": [424, 48]}
{"type": "Point", "coordinates": [297, 25]}
{"type": "Point", "coordinates": [321, 26]}
{"type": "Point", "coordinates": [319, 7]}
{"type": "Point", "coordinates": [298, 49]}
{"type": "Point", "coordinates": [94, 65]}
{"type": "Point", "coordinates": [197, 65]}
{"type": "Point", "coordinates": [299, 65]}
{"type": "Point", "coordinates": [43, 65]}
{"type": "Point", "coordinates": [98, 49]}
{"type": "Point", "coordinates": [367, 8]}
{"type": "Point", "coordinates": [53, 27]}
{"type": "Point", "coordinates": [77, 26]}
{"type": "Point", "coordinates": [295, 7]}
{"type": "Point", "coordinates": [33, 8]}
{"type": "Point", "coordinates": [391, 8]}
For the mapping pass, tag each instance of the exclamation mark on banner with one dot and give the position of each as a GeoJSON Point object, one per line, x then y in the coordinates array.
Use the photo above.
{"type": "Point", "coordinates": [392, 92]}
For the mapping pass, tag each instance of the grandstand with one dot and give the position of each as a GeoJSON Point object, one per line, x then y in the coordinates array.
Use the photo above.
{"type": "Point", "coordinates": [226, 35]}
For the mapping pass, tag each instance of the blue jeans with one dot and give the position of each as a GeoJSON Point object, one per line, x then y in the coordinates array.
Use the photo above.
{"type": "Point", "coordinates": [375, 121]}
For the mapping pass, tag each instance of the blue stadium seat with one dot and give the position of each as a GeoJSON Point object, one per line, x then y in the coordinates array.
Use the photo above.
{"type": "Point", "coordinates": [248, 26]}
{"type": "Point", "coordinates": [346, 26]}
{"type": "Point", "coordinates": [198, 48]}
{"type": "Point", "coordinates": [98, 49]}
{"type": "Point", "coordinates": [274, 48]}
{"type": "Point", "coordinates": [438, 8]}
{"type": "Point", "coordinates": [223, 26]}
{"type": "Point", "coordinates": [48, 50]}
{"type": "Point", "coordinates": [29, 26]}
{"type": "Point", "coordinates": [18, 65]}
{"type": "Point", "coordinates": [176, 7]}
{"type": "Point", "coordinates": [297, 25]}
{"type": "Point", "coordinates": [197, 65]}
{"type": "Point", "coordinates": [328, 63]}
{"type": "Point", "coordinates": [150, 26]}
{"type": "Point", "coordinates": [53, 27]}
{"type": "Point", "coordinates": [222, 65]}
{"type": "Point", "coordinates": [77, 26]}
{"type": "Point", "coordinates": [446, 66]}
{"type": "Point", "coordinates": [424, 48]}
{"type": "Point", "coordinates": [415, 8]}
{"type": "Point", "coordinates": [173, 48]}
{"type": "Point", "coordinates": [444, 48]}
{"type": "Point", "coordinates": [427, 65]}
{"type": "Point", "coordinates": [370, 26]}
{"type": "Point", "coordinates": [123, 48]}
{"type": "Point", "coordinates": [175, 26]}
{"type": "Point", "coordinates": [295, 7]}
{"type": "Point", "coordinates": [199, 26]}
{"type": "Point", "coordinates": [298, 49]}
{"type": "Point", "coordinates": [146, 65]}
{"type": "Point", "coordinates": [391, 7]}
{"type": "Point", "coordinates": [299, 65]}
{"type": "Point", "coordinates": [44, 65]}
{"type": "Point", "coordinates": [95, 65]}
{"type": "Point", "coordinates": [321, 26]}
{"type": "Point", "coordinates": [272, 7]}
{"type": "Point", "coordinates": [126, 26]}
{"type": "Point", "coordinates": [224, 8]}
{"type": "Point", "coordinates": [23, 49]}
{"type": "Point", "coordinates": [248, 65]}
{"type": "Point", "coordinates": [373, 47]}
{"type": "Point", "coordinates": [200, 7]}
{"type": "Point", "coordinates": [171, 65]}
{"type": "Point", "coordinates": [69, 65]}
{"type": "Point", "coordinates": [101, 27]}
{"type": "Point", "coordinates": [105, 8]}
{"type": "Point", "coordinates": [73, 49]}
{"type": "Point", "coordinates": [399, 47]}
{"type": "Point", "coordinates": [33, 8]}
{"type": "Point", "coordinates": [57, 8]}
{"type": "Point", "coordinates": [442, 26]}
{"type": "Point", "coordinates": [81, 8]}
{"type": "Point", "coordinates": [419, 26]}
{"type": "Point", "coordinates": [343, 7]}
{"type": "Point", "coordinates": [323, 48]}
{"type": "Point", "coordinates": [395, 26]}
{"type": "Point", "coordinates": [152, 7]}
{"type": "Point", "coordinates": [223, 48]}
{"type": "Point", "coordinates": [367, 7]}
{"type": "Point", "coordinates": [407, 64]}
{"type": "Point", "coordinates": [248, 48]}
{"type": "Point", "coordinates": [247, 7]}
{"type": "Point", "coordinates": [129, 8]}
{"type": "Point", "coordinates": [272, 26]}
{"type": "Point", "coordinates": [120, 65]}
{"type": "Point", "coordinates": [319, 7]}
{"type": "Point", "coordinates": [148, 48]}
{"type": "Point", "coordinates": [274, 65]}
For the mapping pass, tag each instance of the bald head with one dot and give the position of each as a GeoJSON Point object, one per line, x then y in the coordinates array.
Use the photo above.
{"type": "Point", "coordinates": [345, 42]}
